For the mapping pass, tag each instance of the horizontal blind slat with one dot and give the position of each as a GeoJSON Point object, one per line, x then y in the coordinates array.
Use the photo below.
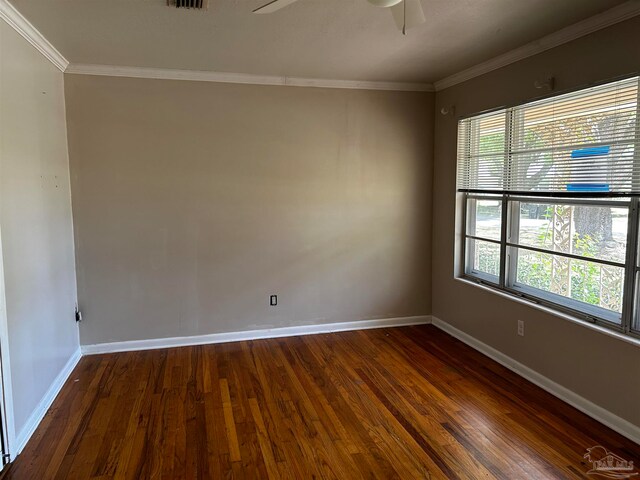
{"type": "Point", "coordinates": [588, 137]}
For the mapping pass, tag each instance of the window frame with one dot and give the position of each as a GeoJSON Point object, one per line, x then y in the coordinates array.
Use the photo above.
{"type": "Point", "coordinates": [505, 282]}
{"type": "Point", "coordinates": [470, 253]}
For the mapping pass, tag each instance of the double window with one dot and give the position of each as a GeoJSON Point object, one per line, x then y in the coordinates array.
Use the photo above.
{"type": "Point", "coordinates": [551, 191]}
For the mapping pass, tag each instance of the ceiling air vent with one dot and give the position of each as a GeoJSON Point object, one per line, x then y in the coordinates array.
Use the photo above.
{"type": "Point", "coordinates": [194, 4]}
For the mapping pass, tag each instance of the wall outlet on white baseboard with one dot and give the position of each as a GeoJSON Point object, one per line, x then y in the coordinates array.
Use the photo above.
{"type": "Point", "coordinates": [521, 328]}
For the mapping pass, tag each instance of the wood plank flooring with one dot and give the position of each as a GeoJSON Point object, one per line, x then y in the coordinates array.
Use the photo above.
{"type": "Point", "coordinates": [394, 403]}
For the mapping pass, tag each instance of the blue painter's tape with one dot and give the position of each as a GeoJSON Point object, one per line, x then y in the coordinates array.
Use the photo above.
{"type": "Point", "coordinates": [591, 152]}
{"type": "Point", "coordinates": [587, 187]}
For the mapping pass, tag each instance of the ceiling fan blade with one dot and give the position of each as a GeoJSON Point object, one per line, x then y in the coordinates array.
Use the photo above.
{"type": "Point", "coordinates": [408, 14]}
{"type": "Point", "coordinates": [273, 6]}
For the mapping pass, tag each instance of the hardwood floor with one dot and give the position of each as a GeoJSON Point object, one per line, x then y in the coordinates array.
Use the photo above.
{"type": "Point", "coordinates": [395, 403]}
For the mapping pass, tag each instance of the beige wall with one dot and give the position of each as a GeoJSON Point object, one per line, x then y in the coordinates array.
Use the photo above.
{"type": "Point", "coordinates": [193, 202]}
{"type": "Point", "coordinates": [39, 333]}
{"type": "Point", "coordinates": [602, 369]}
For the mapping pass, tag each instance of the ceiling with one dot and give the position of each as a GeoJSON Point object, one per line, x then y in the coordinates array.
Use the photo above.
{"type": "Point", "coordinates": [326, 39]}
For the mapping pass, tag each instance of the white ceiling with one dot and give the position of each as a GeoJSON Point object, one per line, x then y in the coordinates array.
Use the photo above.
{"type": "Point", "coordinates": [327, 39]}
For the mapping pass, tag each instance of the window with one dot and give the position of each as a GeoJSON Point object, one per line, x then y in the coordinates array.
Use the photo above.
{"type": "Point", "coordinates": [551, 191]}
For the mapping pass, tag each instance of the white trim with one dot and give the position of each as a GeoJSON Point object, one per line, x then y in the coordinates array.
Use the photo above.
{"type": "Point", "coordinates": [43, 406]}
{"type": "Point", "coordinates": [605, 19]}
{"type": "Point", "coordinates": [134, 345]}
{"type": "Point", "coordinates": [242, 78]}
{"type": "Point", "coordinates": [610, 17]}
{"type": "Point", "coordinates": [620, 425]}
{"type": "Point", "coordinates": [21, 25]}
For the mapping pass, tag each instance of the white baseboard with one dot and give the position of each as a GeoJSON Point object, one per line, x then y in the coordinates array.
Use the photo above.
{"type": "Point", "coordinates": [40, 411]}
{"type": "Point", "coordinates": [152, 344]}
{"type": "Point", "coordinates": [605, 417]}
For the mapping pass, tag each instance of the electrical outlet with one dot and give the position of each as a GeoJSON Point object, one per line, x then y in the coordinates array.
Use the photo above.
{"type": "Point", "coordinates": [273, 300]}
{"type": "Point", "coordinates": [521, 328]}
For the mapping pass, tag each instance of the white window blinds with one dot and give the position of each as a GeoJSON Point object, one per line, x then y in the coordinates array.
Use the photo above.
{"type": "Point", "coordinates": [582, 142]}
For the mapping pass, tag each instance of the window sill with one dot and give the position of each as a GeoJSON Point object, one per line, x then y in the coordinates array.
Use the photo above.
{"type": "Point", "coordinates": [611, 333]}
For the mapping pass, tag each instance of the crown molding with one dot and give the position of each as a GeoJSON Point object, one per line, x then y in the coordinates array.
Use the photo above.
{"type": "Point", "coordinates": [605, 19]}
{"type": "Point", "coordinates": [242, 78]}
{"type": "Point", "coordinates": [21, 25]}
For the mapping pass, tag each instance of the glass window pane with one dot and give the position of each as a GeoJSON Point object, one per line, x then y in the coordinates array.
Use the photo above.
{"type": "Point", "coordinates": [559, 171]}
{"type": "Point", "coordinates": [488, 135]}
{"type": "Point", "coordinates": [580, 118]}
{"type": "Point", "coordinates": [586, 137]}
{"type": "Point", "coordinates": [484, 256]}
{"type": "Point", "coordinates": [581, 280]}
{"type": "Point", "coordinates": [485, 220]}
{"type": "Point", "coordinates": [484, 152]}
{"type": "Point", "coordinates": [585, 230]}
